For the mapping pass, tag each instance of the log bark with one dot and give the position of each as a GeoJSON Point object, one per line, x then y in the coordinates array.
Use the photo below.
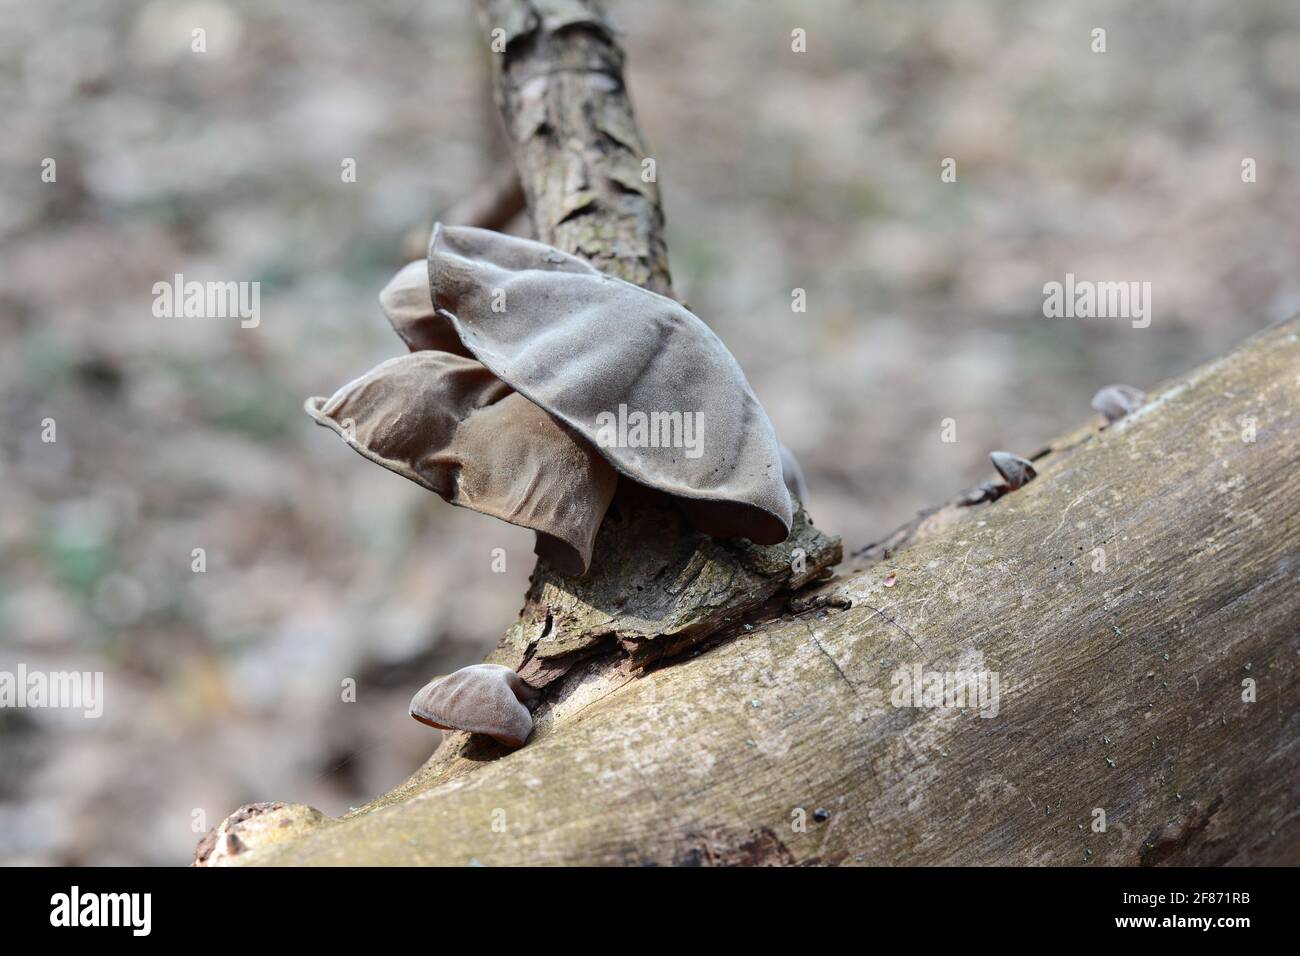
{"type": "Point", "coordinates": [1121, 690]}
{"type": "Point", "coordinates": [1137, 603]}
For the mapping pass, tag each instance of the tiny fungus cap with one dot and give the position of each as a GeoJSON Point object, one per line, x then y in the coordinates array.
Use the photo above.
{"type": "Point", "coordinates": [640, 377]}
{"type": "Point", "coordinates": [1116, 401]}
{"type": "Point", "coordinates": [1015, 470]}
{"type": "Point", "coordinates": [482, 699]}
{"type": "Point", "coordinates": [447, 423]}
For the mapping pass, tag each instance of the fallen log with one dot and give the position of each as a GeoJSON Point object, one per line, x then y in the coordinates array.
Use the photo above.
{"type": "Point", "coordinates": [1138, 602]}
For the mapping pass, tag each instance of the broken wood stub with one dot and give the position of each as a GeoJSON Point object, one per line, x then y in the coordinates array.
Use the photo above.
{"type": "Point", "coordinates": [655, 585]}
{"type": "Point", "coordinates": [580, 155]}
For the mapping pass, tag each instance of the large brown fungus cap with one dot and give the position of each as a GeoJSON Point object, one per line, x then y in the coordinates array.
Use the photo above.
{"type": "Point", "coordinates": [534, 378]}
{"type": "Point", "coordinates": [582, 345]}
{"type": "Point", "coordinates": [447, 423]}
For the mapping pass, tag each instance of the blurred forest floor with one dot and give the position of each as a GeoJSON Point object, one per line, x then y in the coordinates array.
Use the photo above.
{"type": "Point", "coordinates": [779, 170]}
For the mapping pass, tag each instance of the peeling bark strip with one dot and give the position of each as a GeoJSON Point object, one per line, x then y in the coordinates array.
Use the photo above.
{"type": "Point", "coordinates": [1122, 690]}
{"type": "Point", "coordinates": [671, 589]}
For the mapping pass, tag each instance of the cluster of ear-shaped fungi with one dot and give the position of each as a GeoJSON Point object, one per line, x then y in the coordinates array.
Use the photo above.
{"type": "Point", "coordinates": [525, 367]}
{"type": "Point", "coordinates": [521, 357]}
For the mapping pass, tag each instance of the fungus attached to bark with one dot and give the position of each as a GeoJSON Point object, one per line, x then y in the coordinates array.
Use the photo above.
{"type": "Point", "coordinates": [482, 699]}
{"type": "Point", "coordinates": [535, 381]}
{"type": "Point", "coordinates": [1016, 471]}
{"type": "Point", "coordinates": [1116, 401]}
